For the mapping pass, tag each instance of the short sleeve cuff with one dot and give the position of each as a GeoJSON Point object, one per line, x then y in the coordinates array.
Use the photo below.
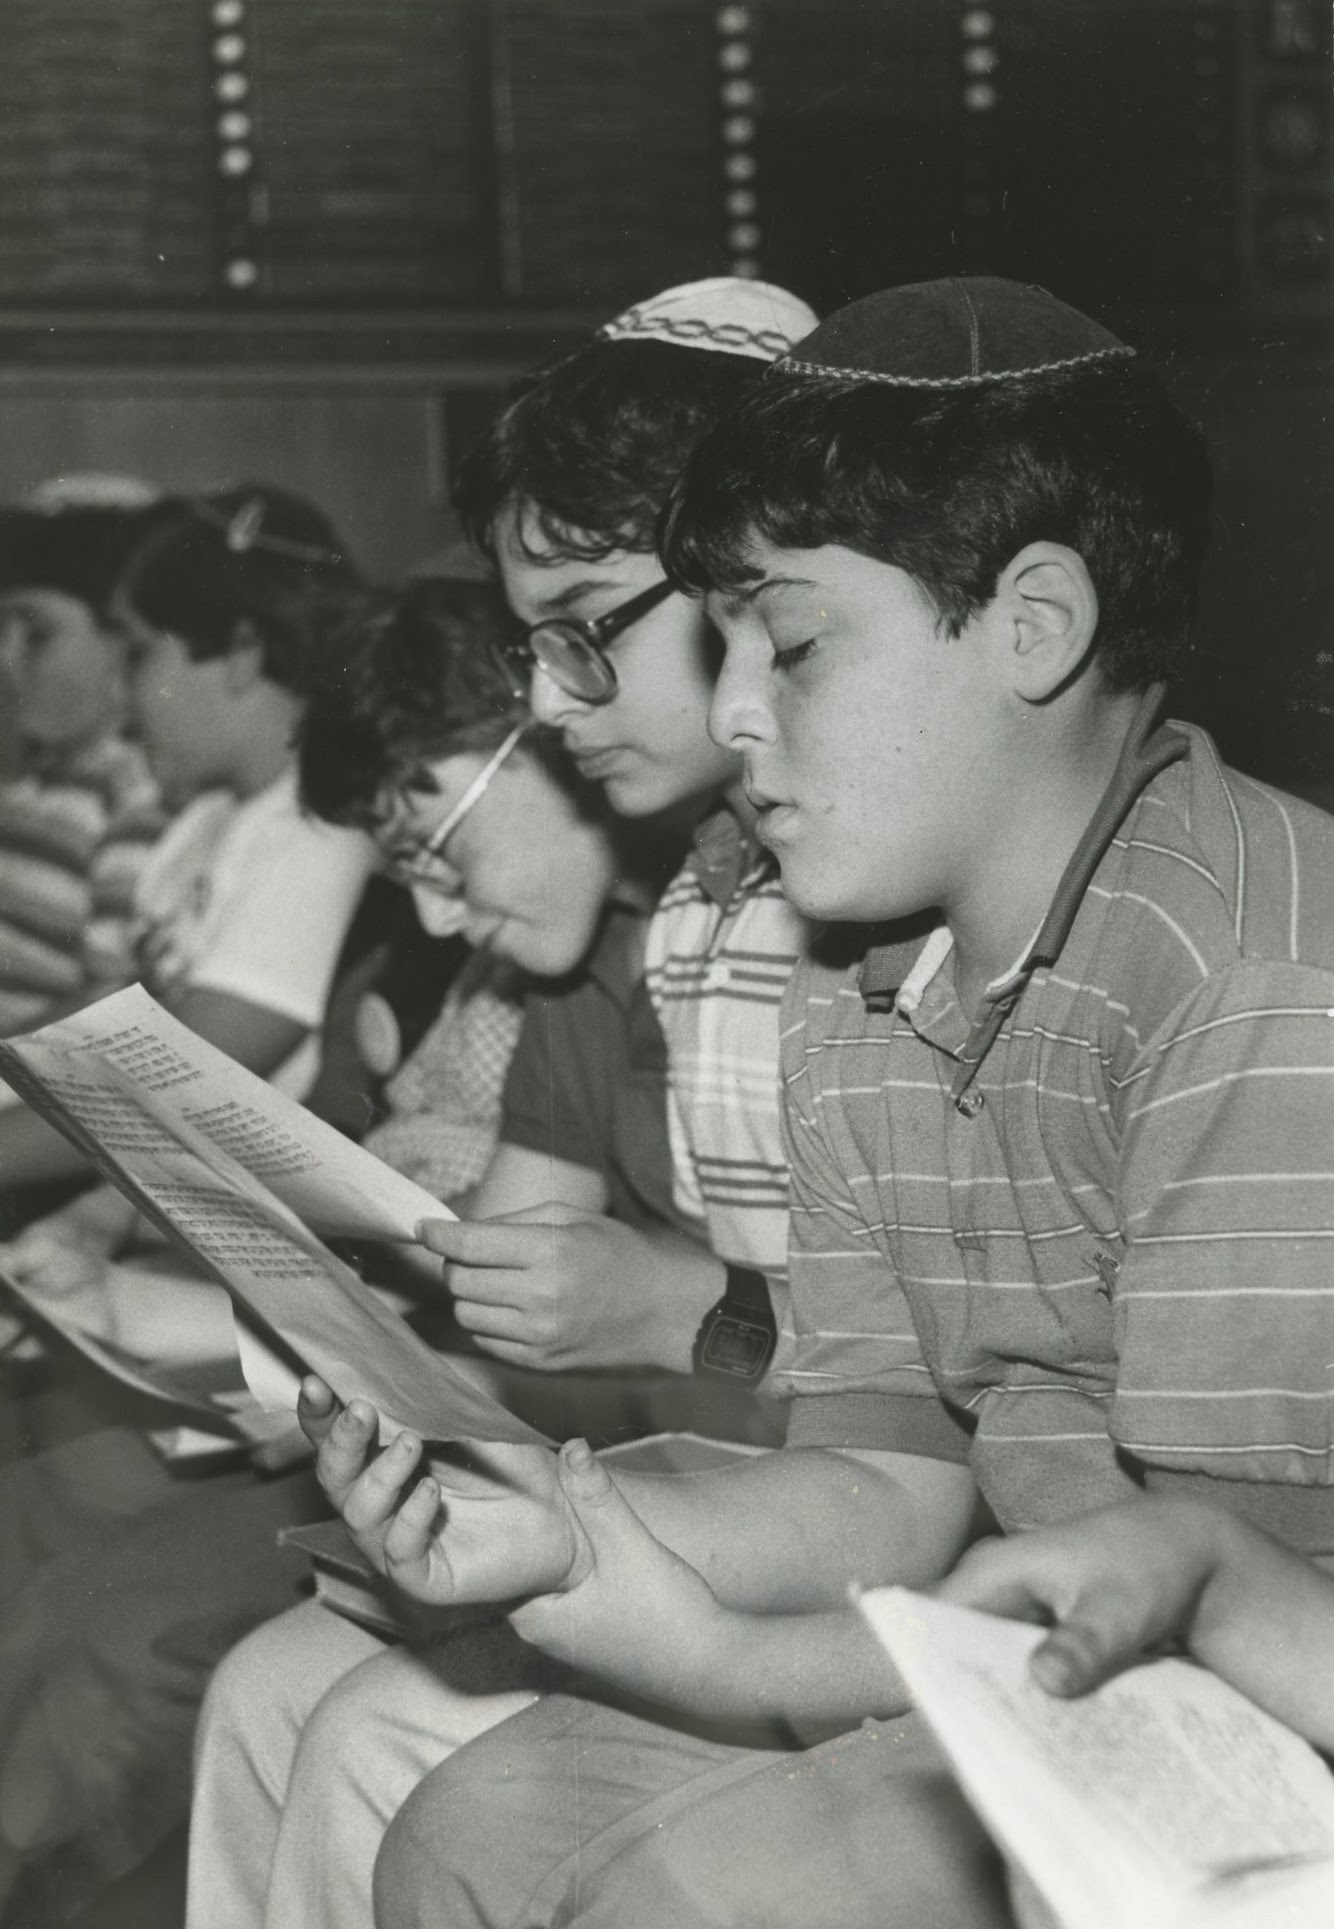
{"type": "Point", "coordinates": [887, 1423]}
{"type": "Point", "coordinates": [564, 1143]}
{"type": "Point", "coordinates": [1300, 1517]}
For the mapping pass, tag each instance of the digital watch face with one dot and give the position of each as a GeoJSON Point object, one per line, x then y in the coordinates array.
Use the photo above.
{"type": "Point", "coordinates": [736, 1347]}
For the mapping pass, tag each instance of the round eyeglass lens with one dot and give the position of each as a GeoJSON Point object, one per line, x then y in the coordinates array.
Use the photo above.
{"type": "Point", "coordinates": [573, 662]}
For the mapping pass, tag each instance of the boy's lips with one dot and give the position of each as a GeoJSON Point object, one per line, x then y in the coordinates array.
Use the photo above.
{"type": "Point", "coordinates": [760, 799]}
{"type": "Point", "coordinates": [773, 815]}
{"type": "Point", "coordinates": [597, 764]}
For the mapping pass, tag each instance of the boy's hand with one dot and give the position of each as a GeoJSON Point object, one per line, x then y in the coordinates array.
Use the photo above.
{"type": "Point", "coordinates": [557, 1289]}
{"type": "Point", "coordinates": [491, 1528]}
{"type": "Point", "coordinates": [57, 1252]}
{"type": "Point", "coordinates": [1121, 1582]}
{"type": "Point", "coordinates": [630, 1609]}
{"type": "Point", "coordinates": [1118, 1584]}
{"type": "Point", "coordinates": [68, 1277]}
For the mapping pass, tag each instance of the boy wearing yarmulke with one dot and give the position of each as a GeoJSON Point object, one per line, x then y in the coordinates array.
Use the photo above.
{"type": "Point", "coordinates": [1058, 1133]}
{"type": "Point", "coordinates": [565, 493]}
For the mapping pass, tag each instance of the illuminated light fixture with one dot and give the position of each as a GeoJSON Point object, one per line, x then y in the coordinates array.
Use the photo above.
{"type": "Point", "coordinates": [979, 60]}
{"type": "Point", "coordinates": [738, 97]}
{"type": "Point", "coordinates": [235, 154]}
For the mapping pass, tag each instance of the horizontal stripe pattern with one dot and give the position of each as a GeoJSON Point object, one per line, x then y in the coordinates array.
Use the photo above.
{"type": "Point", "coordinates": [72, 847]}
{"type": "Point", "coordinates": [1126, 1255]}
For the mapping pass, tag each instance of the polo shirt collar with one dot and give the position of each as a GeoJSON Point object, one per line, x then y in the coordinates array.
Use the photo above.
{"type": "Point", "coordinates": [721, 855]}
{"type": "Point", "coordinates": [1150, 747]}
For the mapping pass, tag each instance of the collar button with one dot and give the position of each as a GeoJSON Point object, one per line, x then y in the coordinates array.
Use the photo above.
{"type": "Point", "coordinates": [970, 1103]}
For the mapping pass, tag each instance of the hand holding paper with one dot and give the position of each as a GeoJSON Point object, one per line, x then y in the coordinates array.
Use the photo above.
{"type": "Point", "coordinates": [493, 1527]}
{"type": "Point", "coordinates": [226, 1166]}
{"type": "Point", "coordinates": [1162, 1800]}
{"type": "Point", "coordinates": [557, 1289]}
{"type": "Point", "coordinates": [1121, 1582]}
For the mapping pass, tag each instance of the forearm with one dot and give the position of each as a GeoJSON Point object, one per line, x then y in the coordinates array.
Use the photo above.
{"type": "Point", "coordinates": [693, 1280]}
{"type": "Point", "coordinates": [823, 1670]}
{"type": "Point", "coordinates": [254, 1035]}
{"type": "Point", "coordinates": [789, 1532]}
{"type": "Point", "coordinates": [518, 1179]}
{"type": "Point", "coordinates": [1265, 1622]}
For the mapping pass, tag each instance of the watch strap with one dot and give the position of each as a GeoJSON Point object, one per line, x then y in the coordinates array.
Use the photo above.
{"type": "Point", "coordinates": [737, 1336]}
{"type": "Point", "coordinates": [747, 1293]}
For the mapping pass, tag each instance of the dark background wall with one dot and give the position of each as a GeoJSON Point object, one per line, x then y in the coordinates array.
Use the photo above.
{"type": "Point", "coordinates": [312, 239]}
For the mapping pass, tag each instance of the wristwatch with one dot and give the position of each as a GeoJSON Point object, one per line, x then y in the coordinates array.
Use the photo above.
{"type": "Point", "coordinates": [736, 1338]}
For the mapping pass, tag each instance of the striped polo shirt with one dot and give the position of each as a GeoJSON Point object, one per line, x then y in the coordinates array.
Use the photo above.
{"type": "Point", "coordinates": [720, 950]}
{"type": "Point", "coordinates": [1087, 1243]}
{"type": "Point", "coordinates": [73, 841]}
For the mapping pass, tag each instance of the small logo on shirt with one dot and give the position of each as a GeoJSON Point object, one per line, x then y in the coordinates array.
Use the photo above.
{"type": "Point", "coordinates": [1106, 1265]}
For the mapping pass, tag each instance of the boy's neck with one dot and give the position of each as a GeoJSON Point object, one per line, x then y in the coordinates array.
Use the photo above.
{"type": "Point", "coordinates": [1057, 786]}
{"type": "Point", "coordinates": [266, 748]}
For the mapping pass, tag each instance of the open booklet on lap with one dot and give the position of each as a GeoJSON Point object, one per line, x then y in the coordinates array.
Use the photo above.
{"type": "Point", "coordinates": [1163, 1800]}
{"type": "Point", "coordinates": [245, 1180]}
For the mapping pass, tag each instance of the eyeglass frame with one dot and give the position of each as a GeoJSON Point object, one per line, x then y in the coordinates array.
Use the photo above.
{"type": "Point", "coordinates": [411, 872]}
{"type": "Point", "coordinates": [588, 637]}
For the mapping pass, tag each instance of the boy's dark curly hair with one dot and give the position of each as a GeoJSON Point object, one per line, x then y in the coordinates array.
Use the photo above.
{"type": "Point", "coordinates": [250, 558]}
{"type": "Point", "coordinates": [82, 551]}
{"type": "Point", "coordinates": [591, 445]}
{"type": "Point", "coordinates": [949, 487]}
{"type": "Point", "coordinates": [407, 677]}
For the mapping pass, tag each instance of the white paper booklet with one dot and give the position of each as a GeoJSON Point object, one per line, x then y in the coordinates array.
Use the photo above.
{"type": "Point", "coordinates": [1164, 1800]}
{"type": "Point", "coordinates": [244, 1178]}
{"type": "Point", "coordinates": [169, 1334]}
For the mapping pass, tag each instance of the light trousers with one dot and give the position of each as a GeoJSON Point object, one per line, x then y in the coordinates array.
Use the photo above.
{"type": "Point", "coordinates": [580, 1816]}
{"type": "Point", "coordinates": [312, 1735]}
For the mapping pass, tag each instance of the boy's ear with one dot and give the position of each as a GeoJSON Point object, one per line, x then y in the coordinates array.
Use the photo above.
{"type": "Point", "coordinates": [244, 659]}
{"type": "Point", "coordinates": [1048, 610]}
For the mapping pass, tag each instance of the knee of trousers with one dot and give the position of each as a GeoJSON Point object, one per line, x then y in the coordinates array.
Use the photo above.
{"type": "Point", "coordinates": [244, 1689]}
{"type": "Point", "coordinates": [339, 1735]}
{"type": "Point", "coordinates": [439, 1856]}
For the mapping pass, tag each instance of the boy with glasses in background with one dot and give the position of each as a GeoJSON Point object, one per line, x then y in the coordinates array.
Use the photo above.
{"type": "Point", "coordinates": [564, 494]}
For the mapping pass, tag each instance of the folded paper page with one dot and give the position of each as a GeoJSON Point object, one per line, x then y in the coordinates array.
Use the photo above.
{"type": "Point", "coordinates": [1164, 1800]}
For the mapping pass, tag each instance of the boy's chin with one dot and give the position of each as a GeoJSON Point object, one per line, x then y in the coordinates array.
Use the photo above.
{"type": "Point", "coordinates": [826, 900]}
{"type": "Point", "coordinates": [806, 889]}
{"type": "Point", "coordinates": [637, 796]}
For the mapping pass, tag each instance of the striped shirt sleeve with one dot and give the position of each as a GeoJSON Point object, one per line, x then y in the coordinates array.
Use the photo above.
{"type": "Point", "coordinates": [1224, 1300]}
{"type": "Point", "coordinates": [852, 1367]}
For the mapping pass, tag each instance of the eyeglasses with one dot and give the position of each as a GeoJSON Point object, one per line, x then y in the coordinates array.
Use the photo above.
{"type": "Point", "coordinates": [422, 863]}
{"type": "Point", "coordinates": [572, 651]}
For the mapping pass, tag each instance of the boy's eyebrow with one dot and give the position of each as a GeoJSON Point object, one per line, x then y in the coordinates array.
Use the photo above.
{"type": "Point", "coordinates": [575, 593]}
{"type": "Point", "coordinates": [732, 602]}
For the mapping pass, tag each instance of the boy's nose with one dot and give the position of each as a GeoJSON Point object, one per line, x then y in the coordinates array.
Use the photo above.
{"type": "Point", "coordinates": [549, 703]}
{"type": "Point", "coordinates": [737, 715]}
